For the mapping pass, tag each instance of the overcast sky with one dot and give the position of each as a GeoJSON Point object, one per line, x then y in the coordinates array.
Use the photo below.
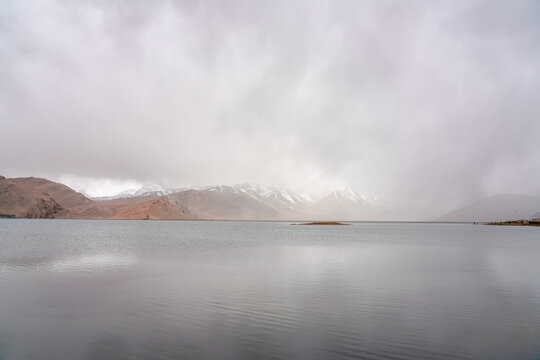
{"type": "Point", "coordinates": [428, 103]}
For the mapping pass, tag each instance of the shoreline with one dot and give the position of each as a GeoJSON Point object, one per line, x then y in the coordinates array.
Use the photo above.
{"type": "Point", "coordinates": [535, 222]}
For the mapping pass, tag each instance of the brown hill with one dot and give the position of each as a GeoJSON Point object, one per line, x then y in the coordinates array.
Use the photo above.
{"type": "Point", "coordinates": [206, 204]}
{"type": "Point", "coordinates": [159, 208]}
{"type": "Point", "coordinates": [41, 198]}
{"type": "Point", "coordinates": [18, 200]}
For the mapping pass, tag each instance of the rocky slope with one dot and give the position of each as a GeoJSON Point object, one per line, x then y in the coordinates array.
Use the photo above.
{"type": "Point", "coordinates": [154, 209]}
{"type": "Point", "coordinates": [41, 198]}
{"type": "Point", "coordinates": [17, 201]}
{"type": "Point", "coordinates": [222, 205]}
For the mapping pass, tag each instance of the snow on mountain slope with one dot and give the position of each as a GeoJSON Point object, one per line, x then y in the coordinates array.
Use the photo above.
{"type": "Point", "coordinates": [268, 193]}
{"type": "Point", "coordinates": [155, 189]}
{"type": "Point", "coordinates": [126, 194]}
{"type": "Point", "coordinates": [281, 199]}
{"type": "Point", "coordinates": [151, 189]}
{"type": "Point", "coordinates": [347, 194]}
{"type": "Point", "coordinates": [340, 203]}
{"type": "Point", "coordinates": [346, 204]}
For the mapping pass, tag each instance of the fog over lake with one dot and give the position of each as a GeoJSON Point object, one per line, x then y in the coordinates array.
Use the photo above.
{"type": "Point", "coordinates": [75, 289]}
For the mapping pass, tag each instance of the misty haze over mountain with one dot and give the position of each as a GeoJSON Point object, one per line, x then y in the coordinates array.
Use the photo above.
{"type": "Point", "coordinates": [428, 106]}
{"type": "Point", "coordinates": [40, 198]}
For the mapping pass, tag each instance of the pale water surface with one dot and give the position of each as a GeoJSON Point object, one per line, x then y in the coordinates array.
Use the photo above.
{"type": "Point", "coordinates": [74, 289]}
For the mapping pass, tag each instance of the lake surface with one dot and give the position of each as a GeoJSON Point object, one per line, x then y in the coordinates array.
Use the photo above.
{"type": "Point", "coordinates": [73, 289]}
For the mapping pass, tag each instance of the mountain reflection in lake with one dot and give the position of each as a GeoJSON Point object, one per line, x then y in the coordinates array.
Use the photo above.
{"type": "Point", "coordinates": [261, 290]}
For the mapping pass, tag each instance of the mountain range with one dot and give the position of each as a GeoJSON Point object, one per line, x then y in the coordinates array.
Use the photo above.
{"type": "Point", "coordinates": [41, 198]}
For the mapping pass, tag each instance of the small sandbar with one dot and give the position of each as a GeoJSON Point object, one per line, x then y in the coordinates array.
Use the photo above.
{"type": "Point", "coordinates": [322, 223]}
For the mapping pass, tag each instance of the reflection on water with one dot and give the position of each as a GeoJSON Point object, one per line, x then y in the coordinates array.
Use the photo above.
{"type": "Point", "coordinates": [92, 262]}
{"type": "Point", "coordinates": [227, 290]}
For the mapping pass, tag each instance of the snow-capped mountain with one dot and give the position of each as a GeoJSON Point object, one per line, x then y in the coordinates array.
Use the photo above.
{"type": "Point", "coordinates": [268, 193]}
{"type": "Point", "coordinates": [274, 202]}
{"type": "Point", "coordinates": [156, 189]}
{"type": "Point", "coordinates": [347, 194]}
{"type": "Point", "coordinates": [276, 197]}
{"type": "Point", "coordinates": [345, 203]}
{"type": "Point", "coordinates": [341, 203]}
{"type": "Point", "coordinates": [150, 189]}
{"type": "Point", "coordinates": [126, 194]}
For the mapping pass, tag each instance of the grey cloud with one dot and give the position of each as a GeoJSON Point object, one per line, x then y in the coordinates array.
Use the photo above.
{"type": "Point", "coordinates": [426, 103]}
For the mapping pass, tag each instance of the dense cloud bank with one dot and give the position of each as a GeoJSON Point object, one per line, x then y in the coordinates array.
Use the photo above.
{"type": "Point", "coordinates": [430, 104]}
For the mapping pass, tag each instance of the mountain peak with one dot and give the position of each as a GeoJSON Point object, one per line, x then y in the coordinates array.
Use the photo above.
{"type": "Point", "coordinates": [263, 192]}
{"type": "Point", "coordinates": [346, 193]}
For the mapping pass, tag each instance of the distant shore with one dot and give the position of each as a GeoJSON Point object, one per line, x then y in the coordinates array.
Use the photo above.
{"type": "Point", "coordinates": [535, 222]}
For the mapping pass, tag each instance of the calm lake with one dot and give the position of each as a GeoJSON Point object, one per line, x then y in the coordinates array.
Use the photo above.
{"type": "Point", "coordinates": [73, 289]}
